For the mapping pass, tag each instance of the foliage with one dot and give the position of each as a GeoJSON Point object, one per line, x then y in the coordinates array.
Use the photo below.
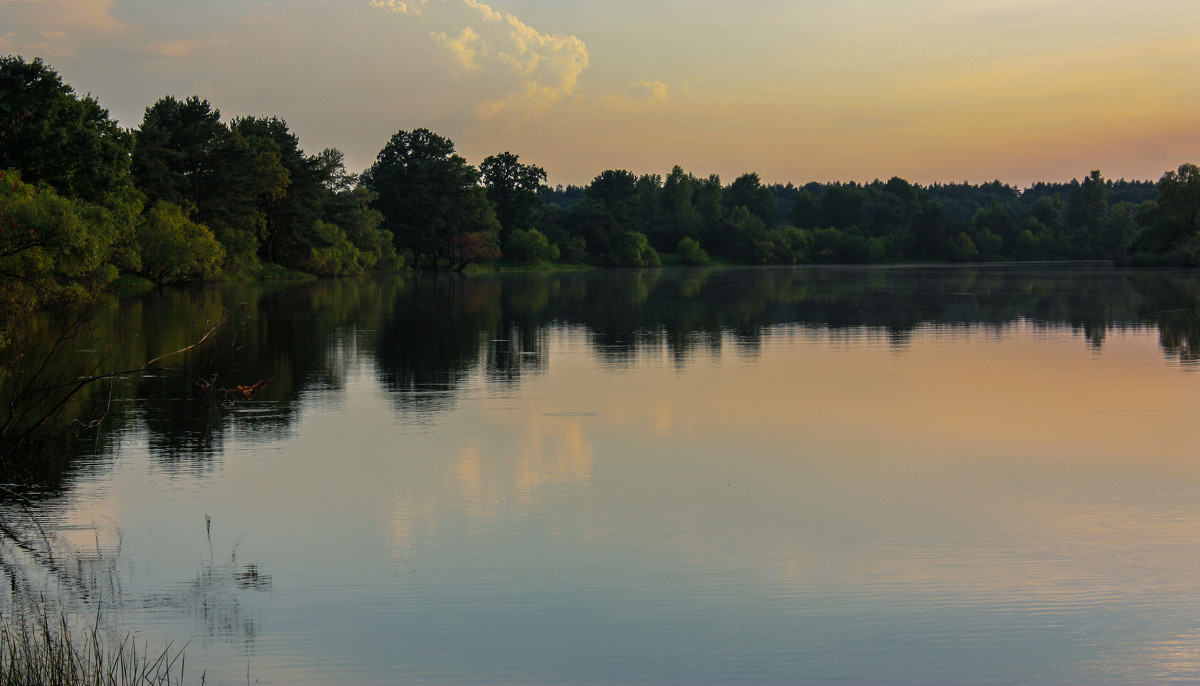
{"type": "Point", "coordinates": [893, 220]}
{"type": "Point", "coordinates": [332, 253]}
{"type": "Point", "coordinates": [266, 201]}
{"type": "Point", "coordinates": [175, 249]}
{"type": "Point", "coordinates": [186, 156]}
{"type": "Point", "coordinates": [690, 251]}
{"type": "Point", "coordinates": [287, 213]}
{"type": "Point", "coordinates": [530, 246]}
{"type": "Point", "coordinates": [1170, 230]}
{"type": "Point", "coordinates": [350, 209]}
{"type": "Point", "coordinates": [55, 137]}
{"type": "Point", "coordinates": [747, 191]}
{"type": "Point", "coordinates": [1087, 205]}
{"type": "Point", "coordinates": [468, 248]}
{"type": "Point", "coordinates": [514, 190]}
{"type": "Point", "coordinates": [53, 250]}
{"type": "Point", "coordinates": [633, 250]}
{"type": "Point", "coordinates": [616, 191]}
{"type": "Point", "coordinates": [431, 201]}
{"type": "Point", "coordinates": [789, 245]}
{"type": "Point", "coordinates": [677, 215]}
{"type": "Point", "coordinates": [964, 248]}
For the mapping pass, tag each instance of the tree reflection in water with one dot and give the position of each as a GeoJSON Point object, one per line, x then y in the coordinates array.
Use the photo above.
{"type": "Point", "coordinates": [427, 335]}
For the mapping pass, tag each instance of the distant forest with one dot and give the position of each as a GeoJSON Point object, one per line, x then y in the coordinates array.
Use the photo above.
{"type": "Point", "coordinates": [881, 221]}
{"type": "Point", "coordinates": [188, 196]}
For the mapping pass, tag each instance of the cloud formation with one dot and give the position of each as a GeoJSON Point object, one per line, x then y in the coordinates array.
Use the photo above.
{"type": "Point", "coordinates": [465, 47]}
{"type": "Point", "coordinates": [545, 67]}
{"type": "Point", "coordinates": [55, 28]}
{"type": "Point", "coordinates": [653, 91]}
{"type": "Point", "coordinates": [397, 5]}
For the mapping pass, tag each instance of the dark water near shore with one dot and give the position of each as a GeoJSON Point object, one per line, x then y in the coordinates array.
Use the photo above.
{"type": "Point", "coordinates": [857, 476]}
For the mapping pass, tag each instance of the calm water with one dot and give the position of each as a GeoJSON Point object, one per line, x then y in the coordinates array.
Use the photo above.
{"type": "Point", "coordinates": [850, 476]}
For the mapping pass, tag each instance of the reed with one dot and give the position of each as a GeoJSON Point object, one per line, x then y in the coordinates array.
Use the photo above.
{"type": "Point", "coordinates": [39, 648]}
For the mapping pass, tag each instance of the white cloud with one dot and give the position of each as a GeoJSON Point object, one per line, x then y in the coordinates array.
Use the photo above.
{"type": "Point", "coordinates": [544, 68]}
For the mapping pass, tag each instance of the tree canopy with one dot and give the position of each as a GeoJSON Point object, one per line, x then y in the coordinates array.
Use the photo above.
{"type": "Point", "coordinates": [432, 201]}
{"type": "Point", "coordinates": [53, 136]}
{"type": "Point", "coordinates": [514, 191]}
{"type": "Point", "coordinates": [247, 184]}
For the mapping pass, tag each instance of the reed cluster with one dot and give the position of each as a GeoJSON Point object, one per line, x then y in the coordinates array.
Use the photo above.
{"type": "Point", "coordinates": [39, 648]}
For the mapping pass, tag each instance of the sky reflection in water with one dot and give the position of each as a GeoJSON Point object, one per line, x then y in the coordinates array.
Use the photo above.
{"type": "Point", "coordinates": [733, 476]}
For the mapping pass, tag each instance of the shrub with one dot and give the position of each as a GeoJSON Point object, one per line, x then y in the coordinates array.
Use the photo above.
{"type": "Point", "coordinates": [690, 252]}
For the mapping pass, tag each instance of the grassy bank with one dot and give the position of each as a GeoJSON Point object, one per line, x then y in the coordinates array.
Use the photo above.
{"type": "Point", "coordinates": [43, 648]}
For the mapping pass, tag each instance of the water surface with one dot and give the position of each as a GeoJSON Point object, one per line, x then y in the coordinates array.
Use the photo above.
{"type": "Point", "coordinates": [854, 476]}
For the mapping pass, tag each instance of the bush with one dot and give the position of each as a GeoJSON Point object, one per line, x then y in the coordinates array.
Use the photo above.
{"type": "Point", "coordinates": [332, 254]}
{"type": "Point", "coordinates": [53, 250]}
{"type": "Point", "coordinates": [690, 252]}
{"type": "Point", "coordinates": [633, 250]}
{"type": "Point", "coordinates": [174, 249]}
{"type": "Point", "coordinates": [530, 246]}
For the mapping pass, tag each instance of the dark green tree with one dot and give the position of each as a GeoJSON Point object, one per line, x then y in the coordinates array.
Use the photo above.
{"type": "Point", "coordinates": [747, 191]}
{"type": "Point", "coordinates": [350, 208]}
{"type": "Point", "coordinates": [690, 252]}
{"type": "Point", "coordinates": [54, 251]}
{"type": "Point", "coordinates": [432, 201]}
{"type": "Point", "coordinates": [608, 211]}
{"type": "Point", "coordinates": [592, 222]}
{"type": "Point", "coordinates": [806, 210]}
{"type": "Point", "coordinates": [998, 221]}
{"type": "Point", "coordinates": [1179, 199]}
{"type": "Point", "coordinates": [289, 218]}
{"type": "Point", "coordinates": [53, 136]}
{"type": "Point", "coordinates": [186, 156]}
{"type": "Point", "coordinates": [932, 232]}
{"type": "Point", "coordinates": [617, 191]}
{"type": "Point", "coordinates": [1087, 207]}
{"type": "Point", "coordinates": [841, 205]}
{"type": "Point", "coordinates": [634, 250]}
{"type": "Point", "coordinates": [679, 218]}
{"type": "Point", "coordinates": [649, 203]}
{"type": "Point", "coordinates": [1171, 224]}
{"type": "Point", "coordinates": [706, 198]}
{"type": "Point", "coordinates": [514, 190]}
{"type": "Point", "coordinates": [903, 190]}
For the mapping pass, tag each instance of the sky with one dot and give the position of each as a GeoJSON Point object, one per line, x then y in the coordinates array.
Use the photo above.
{"type": "Point", "coordinates": [794, 90]}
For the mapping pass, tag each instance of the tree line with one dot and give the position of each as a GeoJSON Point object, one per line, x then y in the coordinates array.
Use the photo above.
{"type": "Point", "coordinates": [190, 196]}
{"type": "Point", "coordinates": [428, 336]}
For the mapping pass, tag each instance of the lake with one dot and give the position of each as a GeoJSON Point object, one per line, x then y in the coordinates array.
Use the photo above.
{"type": "Point", "coordinates": [909, 475]}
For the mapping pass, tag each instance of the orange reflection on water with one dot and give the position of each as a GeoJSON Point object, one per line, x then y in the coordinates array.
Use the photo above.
{"type": "Point", "coordinates": [1020, 390]}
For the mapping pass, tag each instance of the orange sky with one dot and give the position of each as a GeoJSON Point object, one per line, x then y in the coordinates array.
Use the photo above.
{"type": "Point", "coordinates": [797, 91]}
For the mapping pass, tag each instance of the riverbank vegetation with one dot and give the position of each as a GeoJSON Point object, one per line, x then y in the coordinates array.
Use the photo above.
{"type": "Point", "coordinates": [37, 649]}
{"type": "Point", "coordinates": [189, 196]}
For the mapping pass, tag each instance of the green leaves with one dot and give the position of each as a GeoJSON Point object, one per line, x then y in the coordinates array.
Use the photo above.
{"type": "Point", "coordinates": [55, 137]}
{"type": "Point", "coordinates": [431, 201]}
{"type": "Point", "coordinates": [175, 249]}
{"type": "Point", "coordinates": [513, 189]}
{"type": "Point", "coordinates": [53, 250]}
{"type": "Point", "coordinates": [186, 156]}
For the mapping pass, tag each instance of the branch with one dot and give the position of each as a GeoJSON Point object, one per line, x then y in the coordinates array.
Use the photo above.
{"type": "Point", "coordinates": [84, 381]}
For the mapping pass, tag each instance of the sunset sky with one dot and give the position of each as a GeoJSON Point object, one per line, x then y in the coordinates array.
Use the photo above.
{"type": "Point", "coordinates": [796, 90]}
